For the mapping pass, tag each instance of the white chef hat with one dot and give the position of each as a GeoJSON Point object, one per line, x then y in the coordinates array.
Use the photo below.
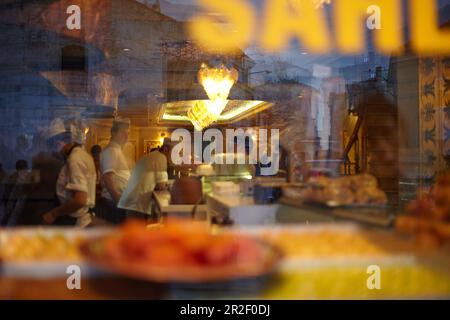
{"type": "Point", "coordinates": [118, 123]}
{"type": "Point", "coordinates": [56, 128]}
{"type": "Point", "coordinates": [122, 121]}
{"type": "Point", "coordinates": [79, 130]}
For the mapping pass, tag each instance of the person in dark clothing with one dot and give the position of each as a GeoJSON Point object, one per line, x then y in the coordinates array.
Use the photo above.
{"type": "Point", "coordinates": [3, 176]}
{"type": "Point", "coordinates": [40, 195]}
{"type": "Point", "coordinates": [14, 190]}
{"type": "Point", "coordinates": [96, 150]}
{"type": "Point", "coordinates": [2, 173]}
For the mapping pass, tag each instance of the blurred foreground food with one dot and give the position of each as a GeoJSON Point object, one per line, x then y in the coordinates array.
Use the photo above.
{"type": "Point", "coordinates": [344, 243]}
{"type": "Point", "coordinates": [331, 262]}
{"type": "Point", "coordinates": [323, 261]}
{"type": "Point", "coordinates": [342, 191]}
{"type": "Point", "coordinates": [39, 246]}
{"type": "Point", "coordinates": [428, 217]}
{"type": "Point", "coordinates": [180, 243]}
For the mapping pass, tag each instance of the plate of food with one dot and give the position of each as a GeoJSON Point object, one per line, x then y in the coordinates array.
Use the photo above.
{"type": "Point", "coordinates": [180, 252]}
{"type": "Point", "coordinates": [43, 252]}
{"type": "Point", "coordinates": [428, 216]}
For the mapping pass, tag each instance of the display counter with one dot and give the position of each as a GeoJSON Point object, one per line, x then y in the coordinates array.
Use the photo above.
{"type": "Point", "coordinates": [164, 207]}
{"type": "Point", "coordinates": [323, 257]}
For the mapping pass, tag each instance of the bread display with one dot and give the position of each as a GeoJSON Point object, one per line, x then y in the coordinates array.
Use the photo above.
{"type": "Point", "coordinates": [344, 191]}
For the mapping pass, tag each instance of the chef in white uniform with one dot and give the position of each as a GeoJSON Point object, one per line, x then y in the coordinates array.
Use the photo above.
{"type": "Point", "coordinates": [76, 181]}
{"type": "Point", "coordinates": [115, 171]}
{"type": "Point", "coordinates": [150, 173]}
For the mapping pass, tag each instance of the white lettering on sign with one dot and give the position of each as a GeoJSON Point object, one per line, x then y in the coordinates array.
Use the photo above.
{"type": "Point", "coordinates": [73, 22]}
{"type": "Point", "coordinates": [374, 280]}
{"type": "Point", "coordinates": [374, 20]}
{"type": "Point", "coordinates": [240, 148]}
{"type": "Point", "coordinates": [74, 280]}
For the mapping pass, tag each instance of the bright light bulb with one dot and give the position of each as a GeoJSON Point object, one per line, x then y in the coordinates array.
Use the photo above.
{"type": "Point", "coordinates": [217, 82]}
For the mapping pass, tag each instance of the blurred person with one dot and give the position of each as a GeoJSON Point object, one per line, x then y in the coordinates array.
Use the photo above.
{"type": "Point", "coordinates": [95, 152]}
{"type": "Point", "coordinates": [115, 172]}
{"type": "Point", "coordinates": [150, 173]}
{"type": "Point", "coordinates": [3, 176]}
{"type": "Point", "coordinates": [14, 190]}
{"type": "Point", "coordinates": [166, 149]}
{"type": "Point", "coordinates": [21, 151]}
{"type": "Point", "coordinates": [39, 143]}
{"type": "Point", "coordinates": [6, 155]}
{"type": "Point", "coordinates": [3, 173]}
{"type": "Point", "coordinates": [16, 177]}
{"type": "Point", "coordinates": [75, 186]}
{"type": "Point", "coordinates": [40, 194]}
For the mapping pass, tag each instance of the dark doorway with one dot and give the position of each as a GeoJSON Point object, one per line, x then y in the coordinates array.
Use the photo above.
{"type": "Point", "coordinates": [73, 57]}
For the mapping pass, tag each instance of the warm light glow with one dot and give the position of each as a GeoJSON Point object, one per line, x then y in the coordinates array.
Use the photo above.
{"type": "Point", "coordinates": [304, 20]}
{"type": "Point", "coordinates": [245, 106]}
{"type": "Point", "coordinates": [217, 83]}
{"type": "Point", "coordinates": [200, 116]}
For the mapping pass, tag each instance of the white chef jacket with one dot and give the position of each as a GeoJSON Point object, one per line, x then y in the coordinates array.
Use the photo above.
{"type": "Point", "coordinates": [78, 174]}
{"type": "Point", "coordinates": [113, 160]}
{"type": "Point", "coordinates": [150, 170]}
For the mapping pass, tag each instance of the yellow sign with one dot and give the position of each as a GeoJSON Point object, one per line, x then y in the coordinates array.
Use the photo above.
{"type": "Point", "coordinates": [302, 19]}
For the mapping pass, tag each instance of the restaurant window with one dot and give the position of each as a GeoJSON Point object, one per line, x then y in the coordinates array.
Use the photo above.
{"type": "Point", "coordinates": [258, 113]}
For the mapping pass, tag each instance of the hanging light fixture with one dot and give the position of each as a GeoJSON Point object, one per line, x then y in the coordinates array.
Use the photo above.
{"type": "Point", "coordinates": [200, 115]}
{"type": "Point", "coordinates": [217, 83]}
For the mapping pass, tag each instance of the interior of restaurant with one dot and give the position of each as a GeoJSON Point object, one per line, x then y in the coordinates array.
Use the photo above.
{"type": "Point", "coordinates": [361, 141]}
